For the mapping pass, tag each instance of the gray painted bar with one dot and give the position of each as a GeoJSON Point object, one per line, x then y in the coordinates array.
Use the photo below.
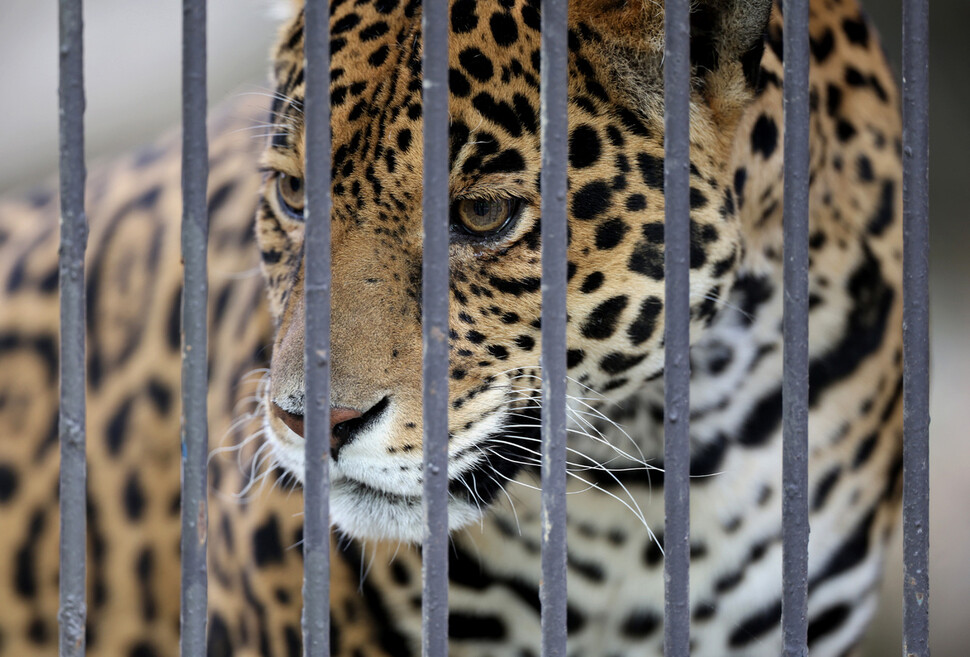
{"type": "Point", "coordinates": [677, 72]}
{"type": "Point", "coordinates": [794, 605]}
{"type": "Point", "coordinates": [916, 351]}
{"type": "Point", "coordinates": [195, 290]}
{"type": "Point", "coordinates": [434, 627]}
{"type": "Point", "coordinates": [554, 128]}
{"type": "Point", "coordinates": [71, 415]}
{"type": "Point", "coordinates": [316, 478]}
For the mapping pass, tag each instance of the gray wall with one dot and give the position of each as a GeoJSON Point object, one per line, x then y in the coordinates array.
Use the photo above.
{"type": "Point", "coordinates": [132, 73]}
{"type": "Point", "coordinates": [132, 69]}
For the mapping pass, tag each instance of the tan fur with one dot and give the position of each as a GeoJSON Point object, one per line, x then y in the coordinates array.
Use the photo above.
{"type": "Point", "coordinates": [615, 574]}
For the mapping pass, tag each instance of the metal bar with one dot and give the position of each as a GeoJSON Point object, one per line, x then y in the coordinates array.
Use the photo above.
{"type": "Point", "coordinates": [434, 301]}
{"type": "Point", "coordinates": [71, 414]}
{"type": "Point", "coordinates": [795, 528]}
{"type": "Point", "coordinates": [195, 234]}
{"type": "Point", "coordinates": [554, 128]}
{"type": "Point", "coordinates": [316, 479]}
{"type": "Point", "coordinates": [677, 73]}
{"type": "Point", "coordinates": [916, 351]}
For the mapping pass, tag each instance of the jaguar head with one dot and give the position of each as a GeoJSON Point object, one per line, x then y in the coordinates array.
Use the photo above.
{"type": "Point", "coordinates": [616, 209]}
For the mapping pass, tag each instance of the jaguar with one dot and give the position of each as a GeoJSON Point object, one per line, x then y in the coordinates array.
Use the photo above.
{"type": "Point", "coordinates": [615, 357]}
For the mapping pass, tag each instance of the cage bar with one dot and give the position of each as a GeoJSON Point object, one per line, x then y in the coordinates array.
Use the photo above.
{"type": "Point", "coordinates": [316, 478]}
{"type": "Point", "coordinates": [916, 339]}
{"type": "Point", "coordinates": [72, 614]}
{"type": "Point", "coordinates": [795, 529]}
{"type": "Point", "coordinates": [553, 135]}
{"type": "Point", "coordinates": [195, 290]}
{"type": "Point", "coordinates": [677, 72]}
{"type": "Point", "coordinates": [434, 303]}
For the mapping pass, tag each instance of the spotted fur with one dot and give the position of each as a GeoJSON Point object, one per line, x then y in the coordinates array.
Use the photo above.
{"type": "Point", "coordinates": [615, 356]}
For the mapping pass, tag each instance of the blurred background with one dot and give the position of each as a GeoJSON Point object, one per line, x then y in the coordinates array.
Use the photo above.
{"type": "Point", "coordinates": [132, 69]}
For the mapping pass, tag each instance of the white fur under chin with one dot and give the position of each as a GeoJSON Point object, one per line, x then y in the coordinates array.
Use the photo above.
{"type": "Point", "coordinates": [363, 512]}
{"type": "Point", "coordinates": [370, 515]}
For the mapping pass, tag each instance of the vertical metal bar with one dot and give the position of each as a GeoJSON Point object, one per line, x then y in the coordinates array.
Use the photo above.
{"type": "Point", "coordinates": [794, 606]}
{"type": "Point", "coordinates": [195, 234]}
{"type": "Point", "coordinates": [434, 301]}
{"type": "Point", "coordinates": [316, 480]}
{"type": "Point", "coordinates": [71, 415]}
{"type": "Point", "coordinates": [553, 86]}
{"type": "Point", "coordinates": [916, 352]}
{"type": "Point", "coordinates": [677, 332]}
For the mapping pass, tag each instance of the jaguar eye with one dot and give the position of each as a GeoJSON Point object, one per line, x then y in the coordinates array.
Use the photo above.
{"type": "Point", "coordinates": [484, 217]}
{"type": "Point", "coordinates": [289, 190]}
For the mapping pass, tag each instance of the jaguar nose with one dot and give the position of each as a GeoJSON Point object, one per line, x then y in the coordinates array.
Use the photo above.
{"type": "Point", "coordinates": [345, 423]}
{"type": "Point", "coordinates": [295, 420]}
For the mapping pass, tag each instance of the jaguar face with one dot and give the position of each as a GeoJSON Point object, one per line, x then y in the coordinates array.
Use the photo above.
{"type": "Point", "coordinates": [616, 205]}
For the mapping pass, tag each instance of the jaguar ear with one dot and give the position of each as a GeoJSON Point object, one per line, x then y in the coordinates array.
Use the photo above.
{"type": "Point", "coordinates": [729, 33]}
{"type": "Point", "coordinates": [722, 31]}
{"type": "Point", "coordinates": [727, 42]}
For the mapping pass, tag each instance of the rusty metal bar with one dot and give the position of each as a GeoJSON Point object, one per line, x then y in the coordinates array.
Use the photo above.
{"type": "Point", "coordinates": [795, 529]}
{"type": "Point", "coordinates": [677, 71]}
{"type": "Point", "coordinates": [916, 340]}
{"type": "Point", "coordinates": [316, 477]}
{"type": "Point", "coordinates": [195, 290]}
{"type": "Point", "coordinates": [554, 129]}
{"type": "Point", "coordinates": [434, 627]}
{"type": "Point", "coordinates": [71, 414]}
